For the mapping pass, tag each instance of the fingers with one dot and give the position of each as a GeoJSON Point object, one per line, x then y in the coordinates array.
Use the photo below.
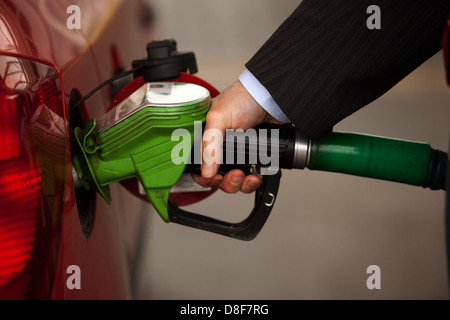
{"type": "Point", "coordinates": [233, 182]}
{"type": "Point", "coordinates": [212, 144]}
{"type": "Point", "coordinates": [208, 182]}
{"type": "Point", "coordinates": [251, 183]}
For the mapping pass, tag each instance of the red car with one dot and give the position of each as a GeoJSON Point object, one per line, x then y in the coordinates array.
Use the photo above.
{"type": "Point", "coordinates": [54, 240]}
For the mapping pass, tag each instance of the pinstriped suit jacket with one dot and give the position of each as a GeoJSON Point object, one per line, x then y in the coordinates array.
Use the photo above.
{"type": "Point", "coordinates": [324, 63]}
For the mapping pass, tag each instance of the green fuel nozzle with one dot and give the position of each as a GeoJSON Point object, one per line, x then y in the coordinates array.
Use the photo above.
{"type": "Point", "coordinates": [134, 140]}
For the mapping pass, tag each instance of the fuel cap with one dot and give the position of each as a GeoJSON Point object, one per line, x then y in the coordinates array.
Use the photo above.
{"type": "Point", "coordinates": [164, 62]}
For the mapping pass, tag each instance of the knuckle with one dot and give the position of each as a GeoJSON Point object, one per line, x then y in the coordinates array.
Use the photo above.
{"type": "Point", "coordinates": [212, 116]}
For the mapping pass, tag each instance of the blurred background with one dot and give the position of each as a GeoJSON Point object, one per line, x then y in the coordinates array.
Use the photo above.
{"type": "Point", "coordinates": [325, 228]}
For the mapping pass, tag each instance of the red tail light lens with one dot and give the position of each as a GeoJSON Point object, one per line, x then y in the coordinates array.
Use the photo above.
{"type": "Point", "coordinates": [9, 133]}
{"type": "Point", "coordinates": [32, 158]}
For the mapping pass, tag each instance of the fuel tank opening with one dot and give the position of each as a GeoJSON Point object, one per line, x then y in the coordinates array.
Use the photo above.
{"type": "Point", "coordinates": [86, 200]}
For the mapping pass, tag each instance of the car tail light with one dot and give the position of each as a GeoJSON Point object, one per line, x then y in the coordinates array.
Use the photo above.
{"type": "Point", "coordinates": [32, 162]}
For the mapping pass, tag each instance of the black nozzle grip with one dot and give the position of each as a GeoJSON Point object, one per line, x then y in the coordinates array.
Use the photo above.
{"type": "Point", "coordinates": [245, 155]}
{"type": "Point", "coordinates": [247, 229]}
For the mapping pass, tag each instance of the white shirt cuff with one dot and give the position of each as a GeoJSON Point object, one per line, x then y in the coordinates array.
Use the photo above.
{"type": "Point", "coordinates": [262, 96]}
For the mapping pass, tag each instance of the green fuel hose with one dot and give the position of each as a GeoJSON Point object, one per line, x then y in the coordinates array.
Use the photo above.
{"type": "Point", "coordinates": [408, 162]}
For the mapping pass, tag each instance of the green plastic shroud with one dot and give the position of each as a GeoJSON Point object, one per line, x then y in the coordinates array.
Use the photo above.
{"type": "Point", "coordinates": [135, 140]}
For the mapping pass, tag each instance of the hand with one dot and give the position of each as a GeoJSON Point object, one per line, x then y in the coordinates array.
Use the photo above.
{"type": "Point", "coordinates": [234, 108]}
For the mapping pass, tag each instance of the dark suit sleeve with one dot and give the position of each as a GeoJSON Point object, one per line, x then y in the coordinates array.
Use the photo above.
{"type": "Point", "coordinates": [323, 63]}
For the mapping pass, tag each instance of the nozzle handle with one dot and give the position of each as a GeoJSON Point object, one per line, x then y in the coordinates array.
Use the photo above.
{"type": "Point", "coordinates": [247, 229]}
{"type": "Point", "coordinates": [265, 195]}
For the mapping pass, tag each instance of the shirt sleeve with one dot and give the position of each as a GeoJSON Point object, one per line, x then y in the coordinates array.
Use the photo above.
{"type": "Point", "coordinates": [262, 96]}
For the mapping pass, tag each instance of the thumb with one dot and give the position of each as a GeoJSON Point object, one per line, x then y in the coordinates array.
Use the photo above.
{"type": "Point", "coordinates": [212, 144]}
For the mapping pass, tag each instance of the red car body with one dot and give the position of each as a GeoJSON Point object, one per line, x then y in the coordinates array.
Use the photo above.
{"type": "Point", "coordinates": [43, 64]}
